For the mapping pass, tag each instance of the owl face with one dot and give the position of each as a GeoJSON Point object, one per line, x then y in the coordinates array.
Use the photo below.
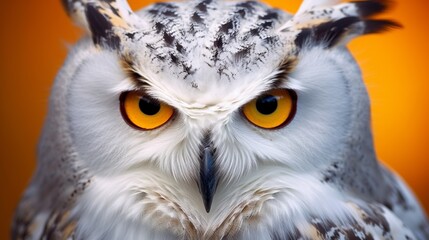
{"type": "Point", "coordinates": [211, 92]}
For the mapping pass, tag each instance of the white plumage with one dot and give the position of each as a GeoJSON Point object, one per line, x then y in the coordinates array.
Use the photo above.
{"type": "Point", "coordinates": [214, 161]}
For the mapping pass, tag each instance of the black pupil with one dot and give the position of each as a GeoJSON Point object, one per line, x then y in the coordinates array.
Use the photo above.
{"type": "Point", "coordinates": [266, 104]}
{"type": "Point", "coordinates": [149, 106]}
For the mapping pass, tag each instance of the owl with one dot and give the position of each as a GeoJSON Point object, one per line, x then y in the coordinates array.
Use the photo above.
{"type": "Point", "coordinates": [214, 119]}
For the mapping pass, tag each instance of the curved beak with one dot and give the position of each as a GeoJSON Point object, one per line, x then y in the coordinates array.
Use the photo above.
{"type": "Point", "coordinates": [208, 178]}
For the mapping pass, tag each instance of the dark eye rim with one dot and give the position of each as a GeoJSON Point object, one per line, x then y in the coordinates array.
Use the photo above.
{"type": "Point", "coordinates": [288, 120]}
{"type": "Point", "coordinates": [124, 114]}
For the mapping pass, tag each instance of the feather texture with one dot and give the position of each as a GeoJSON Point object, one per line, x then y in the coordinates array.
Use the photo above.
{"type": "Point", "coordinates": [314, 177]}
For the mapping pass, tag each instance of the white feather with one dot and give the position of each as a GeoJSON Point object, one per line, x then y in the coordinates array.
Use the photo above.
{"type": "Point", "coordinates": [309, 4]}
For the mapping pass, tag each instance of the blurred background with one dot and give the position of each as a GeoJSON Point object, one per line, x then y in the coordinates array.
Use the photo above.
{"type": "Point", "coordinates": [33, 45]}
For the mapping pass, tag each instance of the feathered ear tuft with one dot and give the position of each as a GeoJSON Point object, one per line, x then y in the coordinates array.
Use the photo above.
{"type": "Point", "coordinates": [339, 32]}
{"type": "Point", "coordinates": [310, 4]}
{"type": "Point", "coordinates": [371, 8]}
{"type": "Point", "coordinates": [338, 24]}
{"type": "Point", "coordinates": [379, 26]}
{"type": "Point", "coordinates": [103, 19]}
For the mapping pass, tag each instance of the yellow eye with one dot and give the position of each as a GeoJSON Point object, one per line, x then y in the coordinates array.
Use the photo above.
{"type": "Point", "coordinates": [143, 112]}
{"type": "Point", "coordinates": [273, 109]}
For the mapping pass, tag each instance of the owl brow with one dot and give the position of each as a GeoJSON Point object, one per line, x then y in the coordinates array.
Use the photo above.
{"type": "Point", "coordinates": [284, 69]}
{"type": "Point", "coordinates": [130, 70]}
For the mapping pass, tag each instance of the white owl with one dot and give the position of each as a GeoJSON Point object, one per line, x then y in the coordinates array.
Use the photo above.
{"type": "Point", "coordinates": [213, 119]}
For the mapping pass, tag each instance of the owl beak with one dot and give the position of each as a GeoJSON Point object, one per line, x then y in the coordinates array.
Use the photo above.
{"type": "Point", "coordinates": [208, 180]}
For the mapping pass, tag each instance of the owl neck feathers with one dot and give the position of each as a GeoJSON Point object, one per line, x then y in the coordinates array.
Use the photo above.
{"type": "Point", "coordinates": [357, 169]}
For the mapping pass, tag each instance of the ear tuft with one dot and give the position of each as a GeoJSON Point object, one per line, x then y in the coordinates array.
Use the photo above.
{"type": "Point", "coordinates": [105, 20]}
{"type": "Point", "coordinates": [371, 8]}
{"type": "Point", "coordinates": [380, 26]}
{"type": "Point", "coordinates": [101, 28]}
{"type": "Point", "coordinates": [307, 5]}
{"type": "Point", "coordinates": [329, 26]}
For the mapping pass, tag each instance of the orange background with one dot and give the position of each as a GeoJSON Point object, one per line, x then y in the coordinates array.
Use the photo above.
{"type": "Point", "coordinates": [34, 36]}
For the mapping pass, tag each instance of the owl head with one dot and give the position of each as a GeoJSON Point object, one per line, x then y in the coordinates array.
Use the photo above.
{"type": "Point", "coordinates": [207, 92]}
